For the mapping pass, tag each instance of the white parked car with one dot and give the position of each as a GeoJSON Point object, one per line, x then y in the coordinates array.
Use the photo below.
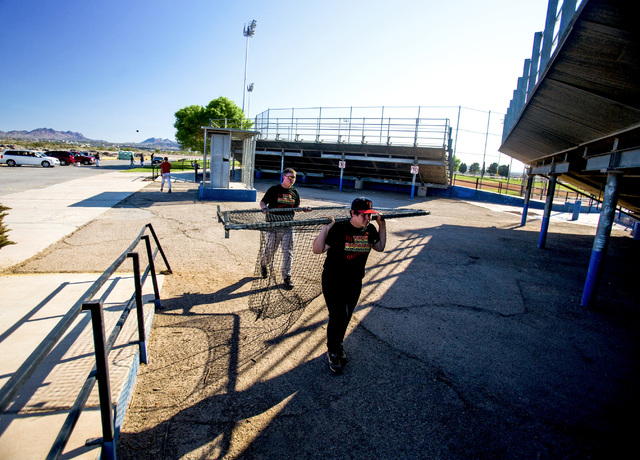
{"type": "Point", "coordinates": [27, 157]}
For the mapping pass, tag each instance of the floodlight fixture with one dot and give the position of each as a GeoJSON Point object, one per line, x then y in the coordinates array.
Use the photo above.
{"type": "Point", "coordinates": [250, 29]}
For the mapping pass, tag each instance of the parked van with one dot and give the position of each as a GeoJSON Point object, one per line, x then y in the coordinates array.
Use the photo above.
{"type": "Point", "coordinates": [66, 158]}
{"type": "Point", "coordinates": [27, 157]}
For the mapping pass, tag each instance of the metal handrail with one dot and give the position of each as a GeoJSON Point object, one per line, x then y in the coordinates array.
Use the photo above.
{"type": "Point", "coordinates": [24, 372]}
{"type": "Point", "coordinates": [400, 131]}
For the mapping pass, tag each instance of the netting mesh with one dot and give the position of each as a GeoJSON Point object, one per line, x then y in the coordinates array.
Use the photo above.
{"type": "Point", "coordinates": [286, 250]}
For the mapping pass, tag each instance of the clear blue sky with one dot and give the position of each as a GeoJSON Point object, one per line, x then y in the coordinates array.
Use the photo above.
{"type": "Point", "coordinates": [118, 70]}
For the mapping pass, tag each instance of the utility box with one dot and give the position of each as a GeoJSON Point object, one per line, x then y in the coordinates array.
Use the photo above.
{"type": "Point", "coordinates": [220, 166]}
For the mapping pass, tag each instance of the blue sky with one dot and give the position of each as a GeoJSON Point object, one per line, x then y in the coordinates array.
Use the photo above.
{"type": "Point", "coordinates": [118, 70]}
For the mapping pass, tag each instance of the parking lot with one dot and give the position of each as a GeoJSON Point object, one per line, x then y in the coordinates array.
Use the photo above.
{"type": "Point", "coordinates": [18, 179]}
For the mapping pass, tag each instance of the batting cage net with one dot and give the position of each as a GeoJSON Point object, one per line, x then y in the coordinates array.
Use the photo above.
{"type": "Point", "coordinates": [287, 274]}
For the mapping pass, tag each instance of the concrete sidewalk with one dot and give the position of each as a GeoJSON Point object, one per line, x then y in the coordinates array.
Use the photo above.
{"type": "Point", "coordinates": [39, 218]}
{"type": "Point", "coordinates": [32, 305]}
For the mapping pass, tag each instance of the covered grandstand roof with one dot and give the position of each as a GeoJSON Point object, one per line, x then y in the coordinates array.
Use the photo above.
{"type": "Point", "coordinates": [582, 119]}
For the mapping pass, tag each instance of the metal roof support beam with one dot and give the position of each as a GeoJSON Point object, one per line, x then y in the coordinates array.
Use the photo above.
{"type": "Point", "coordinates": [601, 241]}
{"type": "Point", "coordinates": [553, 168]}
{"type": "Point", "coordinates": [614, 160]}
{"type": "Point", "coordinates": [551, 190]}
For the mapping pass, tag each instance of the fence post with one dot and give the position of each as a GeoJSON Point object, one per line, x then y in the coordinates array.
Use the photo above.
{"type": "Point", "coordinates": [139, 307]}
{"type": "Point", "coordinates": [102, 375]}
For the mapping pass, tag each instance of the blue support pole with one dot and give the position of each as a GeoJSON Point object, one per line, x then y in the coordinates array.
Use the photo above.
{"type": "Point", "coordinates": [527, 197]}
{"type": "Point", "coordinates": [601, 241]}
{"type": "Point", "coordinates": [551, 190]}
{"type": "Point", "coordinates": [413, 185]}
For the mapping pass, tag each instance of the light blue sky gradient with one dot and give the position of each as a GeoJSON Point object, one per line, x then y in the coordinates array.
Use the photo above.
{"type": "Point", "coordinates": [118, 70]}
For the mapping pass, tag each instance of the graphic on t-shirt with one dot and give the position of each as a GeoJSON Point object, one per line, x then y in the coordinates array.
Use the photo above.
{"type": "Point", "coordinates": [356, 245]}
{"type": "Point", "coordinates": [287, 200]}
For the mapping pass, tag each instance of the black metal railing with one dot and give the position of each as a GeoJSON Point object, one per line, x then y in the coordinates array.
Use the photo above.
{"type": "Point", "coordinates": [100, 372]}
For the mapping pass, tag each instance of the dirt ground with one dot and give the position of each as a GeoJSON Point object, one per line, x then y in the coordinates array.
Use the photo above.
{"type": "Point", "coordinates": [468, 342]}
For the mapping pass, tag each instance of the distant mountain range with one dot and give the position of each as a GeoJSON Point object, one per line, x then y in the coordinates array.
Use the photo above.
{"type": "Point", "coordinates": [53, 135]}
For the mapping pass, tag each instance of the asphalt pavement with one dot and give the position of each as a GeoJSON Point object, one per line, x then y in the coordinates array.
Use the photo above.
{"type": "Point", "coordinates": [468, 341]}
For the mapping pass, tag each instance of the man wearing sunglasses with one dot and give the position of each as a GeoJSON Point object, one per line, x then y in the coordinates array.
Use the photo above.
{"type": "Point", "coordinates": [277, 197]}
{"type": "Point", "coordinates": [347, 244]}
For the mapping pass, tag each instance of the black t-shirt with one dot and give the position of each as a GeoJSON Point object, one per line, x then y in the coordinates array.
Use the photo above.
{"type": "Point", "coordinates": [349, 248]}
{"type": "Point", "coordinates": [278, 197]}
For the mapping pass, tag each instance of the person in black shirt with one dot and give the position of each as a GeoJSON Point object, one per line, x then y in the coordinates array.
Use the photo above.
{"type": "Point", "coordinates": [281, 196]}
{"type": "Point", "coordinates": [347, 245]}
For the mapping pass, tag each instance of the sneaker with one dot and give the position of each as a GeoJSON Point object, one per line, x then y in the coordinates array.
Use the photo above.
{"type": "Point", "coordinates": [343, 357]}
{"type": "Point", "coordinates": [288, 283]}
{"type": "Point", "coordinates": [335, 363]}
{"type": "Point", "coordinates": [169, 190]}
{"type": "Point", "coordinates": [263, 271]}
{"type": "Point", "coordinates": [160, 188]}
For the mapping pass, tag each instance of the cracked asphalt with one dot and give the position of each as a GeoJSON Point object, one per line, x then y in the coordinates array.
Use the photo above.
{"type": "Point", "coordinates": [468, 342]}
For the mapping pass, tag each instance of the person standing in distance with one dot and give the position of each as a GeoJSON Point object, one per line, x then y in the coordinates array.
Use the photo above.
{"type": "Point", "coordinates": [165, 170]}
{"type": "Point", "coordinates": [347, 244]}
{"type": "Point", "coordinates": [281, 196]}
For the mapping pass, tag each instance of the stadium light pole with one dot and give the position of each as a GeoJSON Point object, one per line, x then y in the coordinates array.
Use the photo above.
{"type": "Point", "coordinates": [248, 31]}
{"type": "Point", "coordinates": [250, 90]}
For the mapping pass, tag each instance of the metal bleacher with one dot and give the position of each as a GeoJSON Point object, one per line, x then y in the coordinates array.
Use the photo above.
{"type": "Point", "coordinates": [370, 144]}
{"type": "Point", "coordinates": [576, 110]}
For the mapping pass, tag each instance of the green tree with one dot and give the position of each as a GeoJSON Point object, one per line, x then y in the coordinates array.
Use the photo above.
{"type": "Point", "coordinates": [4, 240]}
{"type": "Point", "coordinates": [492, 169]}
{"type": "Point", "coordinates": [191, 119]}
{"type": "Point", "coordinates": [474, 168]}
{"type": "Point", "coordinates": [462, 168]}
{"type": "Point", "coordinates": [503, 171]}
{"type": "Point", "coordinates": [456, 164]}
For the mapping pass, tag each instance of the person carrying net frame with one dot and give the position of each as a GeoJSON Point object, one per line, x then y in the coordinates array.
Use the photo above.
{"type": "Point", "coordinates": [281, 197]}
{"type": "Point", "coordinates": [347, 244]}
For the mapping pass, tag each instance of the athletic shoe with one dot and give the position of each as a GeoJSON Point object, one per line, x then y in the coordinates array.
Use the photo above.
{"type": "Point", "coordinates": [343, 356]}
{"type": "Point", "coordinates": [263, 271]}
{"type": "Point", "coordinates": [288, 283]}
{"type": "Point", "coordinates": [335, 363]}
{"type": "Point", "coordinates": [169, 190]}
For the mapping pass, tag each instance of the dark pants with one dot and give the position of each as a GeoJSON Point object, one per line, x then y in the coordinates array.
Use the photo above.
{"type": "Point", "coordinates": [341, 297]}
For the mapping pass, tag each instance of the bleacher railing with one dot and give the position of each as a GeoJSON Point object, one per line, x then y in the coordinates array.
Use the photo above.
{"type": "Point", "coordinates": [416, 132]}
{"type": "Point", "coordinates": [103, 346]}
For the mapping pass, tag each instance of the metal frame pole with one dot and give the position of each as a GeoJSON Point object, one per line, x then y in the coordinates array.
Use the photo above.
{"type": "Point", "coordinates": [601, 241]}
{"type": "Point", "coordinates": [139, 308]}
{"type": "Point", "coordinates": [551, 190]}
{"type": "Point", "coordinates": [102, 376]}
{"type": "Point", "coordinates": [152, 267]}
{"type": "Point", "coordinates": [527, 197]}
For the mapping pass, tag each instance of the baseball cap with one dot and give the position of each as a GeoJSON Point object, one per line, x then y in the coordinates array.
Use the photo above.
{"type": "Point", "coordinates": [362, 205]}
